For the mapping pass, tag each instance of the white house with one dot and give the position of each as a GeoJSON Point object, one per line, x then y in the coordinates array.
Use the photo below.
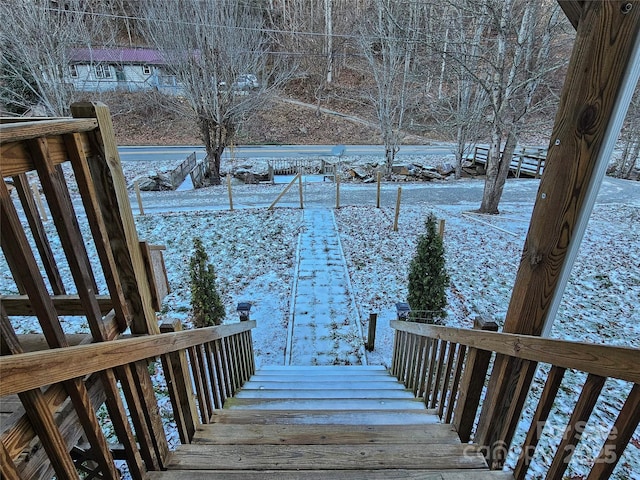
{"type": "Point", "coordinates": [129, 69]}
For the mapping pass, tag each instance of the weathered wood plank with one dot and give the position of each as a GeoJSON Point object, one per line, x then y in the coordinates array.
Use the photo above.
{"type": "Point", "coordinates": [19, 373]}
{"type": "Point", "coordinates": [8, 469]}
{"type": "Point", "coordinates": [64, 304]}
{"type": "Point", "coordinates": [111, 190]}
{"type": "Point", "coordinates": [176, 370]}
{"type": "Point", "coordinates": [37, 230]}
{"type": "Point", "coordinates": [579, 417]}
{"type": "Point", "coordinates": [136, 409]}
{"type": "Point", "coordinates": [15, 158]}
{"type": "Point", "coordinates": [325, 417]}
{"type": "Point", "coordinates": [388, 474]}
{"type": "Point", "coordinates": [540, 417]}
{"type": "Point", "coordinates": [64, 217]}
{"type": "Point", "coordinates": [98, 228]}
{"type": "Point", "coordinates": [602, 360]}
{"type": "Point", "coordinates": [118, 416]}
{"type": "Point", "coordinates": [40, 416]}
{"type": "Point", "coordinates": [572, 9]}
{"type": "Point", "coordinates": [302, 392]}
{"type": "Point", "coordinates": [16, 132]}
{"type": "Point", "coordinates": [380, 403]}
{"type": "Point", "coordinates": [619, 437]}
{"type": "Point", "coordinates": [230, 434]}
{"type": "Point", "coordinates": [321, 457]}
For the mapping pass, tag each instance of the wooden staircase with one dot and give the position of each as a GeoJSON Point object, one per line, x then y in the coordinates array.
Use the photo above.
{"type": "Point", "coordinates": [328, 422]}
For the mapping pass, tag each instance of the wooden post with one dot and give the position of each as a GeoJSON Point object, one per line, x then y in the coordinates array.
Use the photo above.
{"type": "Point", "coordinates": [136, 186]}
{"type": "Point", "coordinates": [395, 220]}
{"type": "Point", "coordinates": [300, 190]}
{"type": "Point", "coordinates": [111, 188]}
{"type": "Point", "coordinates": [379, 179]}
{"type": "Point", "coordinates": [38, 197]}
{"type": "Point", "coordinates": [371, 337]}
{"type": "Point", "coordinates": [337, 191]}
{"type": "Point", "coordinates": [601, 77]}
{"type": "Point", "coordinates": [441, 228]}
{"type": "Point", "coordinates": [229, 192]}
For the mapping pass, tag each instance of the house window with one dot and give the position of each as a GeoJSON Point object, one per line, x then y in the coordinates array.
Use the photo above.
{"type": "Point", "coordinates": [103, 71]}
{"type": "Point", "coordinates": [73, 71]}
{"type": "Point", "coordinates": [146, 69]}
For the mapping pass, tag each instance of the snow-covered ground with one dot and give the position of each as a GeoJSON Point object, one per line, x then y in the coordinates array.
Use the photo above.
{"type": "Point", "coordinates": [254, 251]}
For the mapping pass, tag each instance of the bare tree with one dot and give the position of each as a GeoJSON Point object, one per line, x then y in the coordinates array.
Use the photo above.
{"type": "Point", "coordinates": [629, 142]}
{"type": "Point", "coordinates": [517, 65]}
{"type": "Point", "coordinates": [388, 41]}
{"type": "Point", "coordinates": [37, 40]}
{"type": "Point", "coordinates": [213, 48]}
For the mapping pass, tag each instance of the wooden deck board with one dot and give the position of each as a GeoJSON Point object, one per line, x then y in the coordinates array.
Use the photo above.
{"type": "Point", "coordinates": [326, 457]}
{"type": "Point", "coordinates": [389, 474]}
{"type": "Point", "coordinates": [340, 417]}
{"type": "Point", "coordinates": [229, 434]}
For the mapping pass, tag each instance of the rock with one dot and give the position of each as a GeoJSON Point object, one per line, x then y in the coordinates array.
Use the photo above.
{"type": "Point", "coordinates": [369, 180]}
{"type": "Point", "coordinates": [358, 172]}
{"type": "Point", "coordinates": [430, 175]}
{"type": "Point", "coordinates": [445, 169]}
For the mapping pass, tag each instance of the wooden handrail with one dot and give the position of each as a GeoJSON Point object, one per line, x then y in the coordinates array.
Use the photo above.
{"type": "Point", "coordinates": [602, 360]}
{"type": "Point", "coordinates": [16, 132]}
{"type": "Point", "coordinates": [33, 370]}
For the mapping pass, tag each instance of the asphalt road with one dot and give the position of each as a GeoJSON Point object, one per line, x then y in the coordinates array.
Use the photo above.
{"type": "Point", "coordinates": [162, 153]}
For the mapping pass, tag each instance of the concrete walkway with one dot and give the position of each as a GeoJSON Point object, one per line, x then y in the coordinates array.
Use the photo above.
{"type": "Point", "coordinates": [324, 326]}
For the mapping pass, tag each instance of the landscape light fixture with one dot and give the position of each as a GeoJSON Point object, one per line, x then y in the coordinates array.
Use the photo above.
{"type": "Point", "coordinates": [243, 311]}
{"type": "Point", "coordinates": [403, 310]}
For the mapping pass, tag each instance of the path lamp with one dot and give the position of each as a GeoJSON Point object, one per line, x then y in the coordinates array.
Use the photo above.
{"type": "Point", "coordinates": [403, 310]}
{"type": "Point", "coordinates": [243, 311]}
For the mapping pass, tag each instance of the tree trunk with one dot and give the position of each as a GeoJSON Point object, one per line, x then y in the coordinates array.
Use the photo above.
{"type": "Point", "coordinates": [497, 173]}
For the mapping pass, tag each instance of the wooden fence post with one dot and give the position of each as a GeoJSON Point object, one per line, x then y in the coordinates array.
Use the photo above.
{"type": "Point", "coordinates": [441, 228]}
{"type": "Point", "coordinates": [395, 220]}
{"type": "Point", "coordinates": [230, 192]}
{"type": "Point", "coordinates": [337, 178]}
{"type": "Point", "coordinates": [473, 378]}
{"type": "Point", "coordinates": [136, 186]}
{"type": "Point", "coordinates": [371, 337]}
{"type": "Point", "coordinates": [300, 190]}
{"type": "Point", "coordinates": [379, 175]}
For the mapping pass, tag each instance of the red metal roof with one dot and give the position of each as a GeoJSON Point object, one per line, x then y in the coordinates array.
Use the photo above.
{"type": "Point", "coordinates": [117, 55]}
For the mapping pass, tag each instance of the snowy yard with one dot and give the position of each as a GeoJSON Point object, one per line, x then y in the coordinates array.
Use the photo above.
{"type": "Point", "coordinates": [254, 252]}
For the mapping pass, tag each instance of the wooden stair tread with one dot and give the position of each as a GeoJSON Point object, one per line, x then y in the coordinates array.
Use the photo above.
{"type": "Point", "coordinates": [268, 392]}
{"type": "Point", "coordinates": [326, 457]}
{"type": "Point", "coordinates": [229, 434]}
{"type": "Point", "coordinates": [323, 369]}
{"type": "Point", "coordinates": [389, 474]}
{"type": "Point", "coordinates": [325, 417]}
{"type": "Point", "coordinates": [290, 384]}
{"type": "Point", "coordinates": [325, 404]}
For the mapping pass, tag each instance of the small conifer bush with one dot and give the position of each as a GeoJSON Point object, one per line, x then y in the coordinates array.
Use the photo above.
{"type": "Point", "coordinates": [206, 306]}
{"type": "Point", "coordinates": [428, 279]}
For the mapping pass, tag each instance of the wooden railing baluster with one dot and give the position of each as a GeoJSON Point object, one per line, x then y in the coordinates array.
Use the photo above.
{"type": "Point", "coordinates": [213, 376]}
{"type": "Point", "coordinates": [447, 378]}
{"type": "Point", "coordinates": [462, 350]}
{"type": "Point", "coordinates": [438, 376]}
{"type": "Point", "coordinates": [619, 436]}
{"type": "Point", "coordinates": [176, 371]}
{"type": "Point", "coordinates": [196, 375]}
{"type": "Point", "coordinates": [551, 386]}
{"type": "Point", "coordinates": [581, 413]}
{"type": "Point", "coordinates": [431, 371]}
{"type": "Point", "coordinates": [8, 469]}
